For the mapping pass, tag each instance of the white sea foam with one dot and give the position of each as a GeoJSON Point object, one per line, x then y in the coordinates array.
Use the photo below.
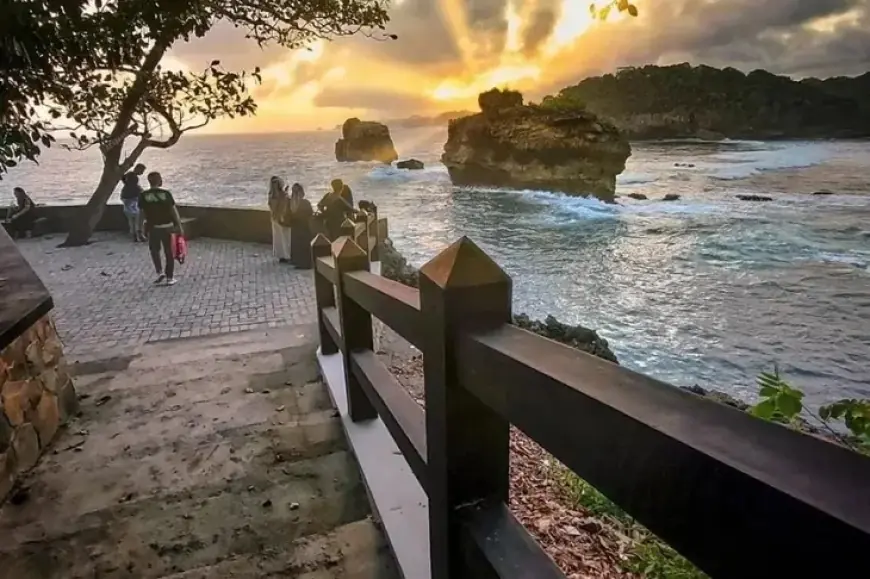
{"type": "Point", "coordinates": [735, 165]}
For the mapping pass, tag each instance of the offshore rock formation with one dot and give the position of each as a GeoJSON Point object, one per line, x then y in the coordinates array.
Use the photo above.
{"type": "Point", "coordinates": [509, 144]}
{"type": "Point", "coordinates": [411, 165]}
{"type": "Point", "coordinates": [682, 101]}
{"type": "Point", "coordinates": [365, 141]}
{"type": "Point", "coordinates": [394, 266]}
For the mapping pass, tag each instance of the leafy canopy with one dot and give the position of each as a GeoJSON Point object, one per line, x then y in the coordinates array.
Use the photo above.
{"type": "Point", "coordinates": [40, 42]}
{"type": "Point", "coordinates": [99, 65]}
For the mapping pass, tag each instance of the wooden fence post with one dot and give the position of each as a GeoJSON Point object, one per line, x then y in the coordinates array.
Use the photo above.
{"type": "Point", "coordinates": [363, 236]}
{"type": "Point", "coordinates": [324, 293]}
{"type": "Point", "coordinates": [461, 290]}
{"type": "Point", "coordinates": [374, 241]}
{"type": "Point", "coordinates": [356, 326]}
{"type": "Point", "coordinates": [348, 228]}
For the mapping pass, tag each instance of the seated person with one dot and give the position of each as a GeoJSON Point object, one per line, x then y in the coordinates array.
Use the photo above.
{"type": "Point", "coordinates": [22, 215]}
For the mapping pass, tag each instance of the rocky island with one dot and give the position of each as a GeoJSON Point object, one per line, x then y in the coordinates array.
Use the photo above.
{"type": "Point", "coordinates": [365, 141]}
{"type": "Point", "coordinates": [682, 101]}
{"type": "Point", "coordinates": [511, 144]}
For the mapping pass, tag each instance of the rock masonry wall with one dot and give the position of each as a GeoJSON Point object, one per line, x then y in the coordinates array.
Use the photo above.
{"type": "Point", "coordinates": [37, 395]}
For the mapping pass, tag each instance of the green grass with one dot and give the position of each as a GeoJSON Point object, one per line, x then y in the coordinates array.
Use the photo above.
{"type": "Point", "coordinates": [648, 555]}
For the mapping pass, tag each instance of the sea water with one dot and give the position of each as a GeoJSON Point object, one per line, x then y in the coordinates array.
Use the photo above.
{"type": "Point", "coordinates": [706, 290]}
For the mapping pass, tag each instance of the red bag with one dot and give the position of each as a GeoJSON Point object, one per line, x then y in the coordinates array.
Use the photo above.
{"type": "Point", "coordinates": [179, 248]}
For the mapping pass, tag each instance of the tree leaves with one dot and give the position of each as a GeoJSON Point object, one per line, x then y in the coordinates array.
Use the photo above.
{"type": "Point", "coordinates": [603, 12]}
{"type": "Point", "coordinates": [97, 64]}
{"type": "Point", "coordinates": [779, 400]}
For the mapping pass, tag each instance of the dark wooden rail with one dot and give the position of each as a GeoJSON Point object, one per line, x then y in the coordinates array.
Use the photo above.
{"type": "Point", "coordinates": [738, 496]}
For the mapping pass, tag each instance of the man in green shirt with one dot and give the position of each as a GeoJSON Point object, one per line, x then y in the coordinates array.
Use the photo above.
{"type": "Point", "coordinates": [157, 209]}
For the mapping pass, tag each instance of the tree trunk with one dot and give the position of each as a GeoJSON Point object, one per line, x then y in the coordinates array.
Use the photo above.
{"type": "Point", "coordinates": [89, 216]}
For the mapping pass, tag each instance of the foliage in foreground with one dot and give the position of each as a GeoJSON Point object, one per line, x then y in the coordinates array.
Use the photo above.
{"type": "Point", "coordinates": [651, 557]}
{"type": "Point", "coordinates": [780, 402]}
{"type": "Point", "coordinates": [647, 555]}
{"type": "Point", "coordinates": [40, 43]}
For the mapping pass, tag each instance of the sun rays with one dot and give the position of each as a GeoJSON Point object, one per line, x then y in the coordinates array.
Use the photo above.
{"type": "Point", "coordinates": [508, 46]}
{"type": "Point", "coordinates": [515, 66]}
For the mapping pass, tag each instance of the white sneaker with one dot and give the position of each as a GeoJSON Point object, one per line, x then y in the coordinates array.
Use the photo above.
{"type": "Point", "coordinates": [171, 281]}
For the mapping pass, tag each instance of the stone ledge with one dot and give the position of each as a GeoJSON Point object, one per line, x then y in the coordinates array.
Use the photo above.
{"type": "Point", "coordinates": [37, 395]}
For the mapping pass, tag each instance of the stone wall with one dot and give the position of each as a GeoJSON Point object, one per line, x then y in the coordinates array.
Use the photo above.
{"type": "Point", "coordinates": [36, 396]}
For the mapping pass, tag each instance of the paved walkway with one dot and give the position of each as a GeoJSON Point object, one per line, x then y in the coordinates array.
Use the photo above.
{"type": "Point", "coordinates": [105, 302]}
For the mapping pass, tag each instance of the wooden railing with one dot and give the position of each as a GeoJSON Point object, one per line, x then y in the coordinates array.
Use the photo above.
{"type": "Point", "coordinates": [738, 496]}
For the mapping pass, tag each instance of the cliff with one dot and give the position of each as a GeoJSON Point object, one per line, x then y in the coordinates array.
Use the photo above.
{"type": "Point", "coordinates": [365, 141]}
{"type": "Point", "coordinates": [682, 101]}
{"type": "Point", "coordinates": [509, 144]}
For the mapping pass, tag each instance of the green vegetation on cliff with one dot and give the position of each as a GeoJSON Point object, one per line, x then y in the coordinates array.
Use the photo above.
{"type": "Point", "coordinates": [682, 101]}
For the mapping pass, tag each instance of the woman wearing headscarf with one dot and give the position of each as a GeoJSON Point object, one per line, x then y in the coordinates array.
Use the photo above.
{"type": "Point", "coordinates": [277, 208]}
{"type": "Point", "coordinates": [300, 214]}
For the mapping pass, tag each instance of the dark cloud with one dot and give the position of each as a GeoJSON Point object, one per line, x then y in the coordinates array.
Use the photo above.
{"type": "Point", "coordinates": [228, 44]}
{"type": "Point", "coordinates": [539, 27]}
{"type": "Point", "coordinates": [423, 40]}
{"type": "Point", "coordinates": [746, 34]}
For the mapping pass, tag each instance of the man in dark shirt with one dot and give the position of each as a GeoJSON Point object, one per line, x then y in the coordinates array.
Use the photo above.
{"type": "Point", "coordinates": [130, 198]}
{"type": "Point", "coordinates": [335, 207]}
{"type": "Point", "coordinates": [157, 208]}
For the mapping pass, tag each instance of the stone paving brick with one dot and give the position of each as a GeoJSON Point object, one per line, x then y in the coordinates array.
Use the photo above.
{"type": "Point", "coordinates": [104, 298]}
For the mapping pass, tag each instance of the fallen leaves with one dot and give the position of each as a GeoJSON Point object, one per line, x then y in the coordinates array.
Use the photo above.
{"type": "Point", "coordinates": [583, 546]}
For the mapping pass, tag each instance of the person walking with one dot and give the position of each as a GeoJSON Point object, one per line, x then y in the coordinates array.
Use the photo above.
{"type": "Point", "coordinates": [280, 228]}
{"type": "Point", "coordinates": [157, 208]}
{"type": "Point", "coordinates": [130, 198]}
{"type": "Point", "coordinates": [300, 213]}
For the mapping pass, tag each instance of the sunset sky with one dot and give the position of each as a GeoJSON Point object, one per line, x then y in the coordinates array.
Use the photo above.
{"type": "Point", "coordinates": [450, 50]}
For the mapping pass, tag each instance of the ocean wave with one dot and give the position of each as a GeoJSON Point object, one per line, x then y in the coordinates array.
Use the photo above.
{"type": "Point", "coordinates": [736, 165]}
{"type": "Point", "coordinates": [635, 179]}
{"type": "Point", "coordinates": [593, 208]}
{"type": "Point", "coordinates": [859, 262]}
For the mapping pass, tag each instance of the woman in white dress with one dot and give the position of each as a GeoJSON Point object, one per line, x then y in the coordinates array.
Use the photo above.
{"type": "Point", "coordinates": [278, 200]}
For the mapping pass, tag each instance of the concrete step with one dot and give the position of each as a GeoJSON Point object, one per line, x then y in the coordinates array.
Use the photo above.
{"type": "Point", "coordinates": [353, 551]}
{"type": "Point", "coordinates": [184, 530]}
{"type": "Point", "coordinates": [65, 483]}
{"type": "Point", "coordinates": [204, 457]}
{"type": "Point", "coordinates": [182, 352]}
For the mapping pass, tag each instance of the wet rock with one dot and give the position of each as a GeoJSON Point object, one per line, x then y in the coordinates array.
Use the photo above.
{"type": "Point", "coordinates": [754, 198]}
{"type": "Point", "coordinates": [578, 336]}
{"type": "Point", "coordinates": [365, 141]}
{"type": "Point", "coordinates": [395, 267]}
{"type": "Point", "coordinates": [638, 196]}
{"type": "Point", "coordinates": [410, 164]}
{"type": "Point", "coordinates": [671, 197]}
{"type": "Point", "coordinates": [718, 396]}
{"type": "Point", "coordinates": [509, 144]}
